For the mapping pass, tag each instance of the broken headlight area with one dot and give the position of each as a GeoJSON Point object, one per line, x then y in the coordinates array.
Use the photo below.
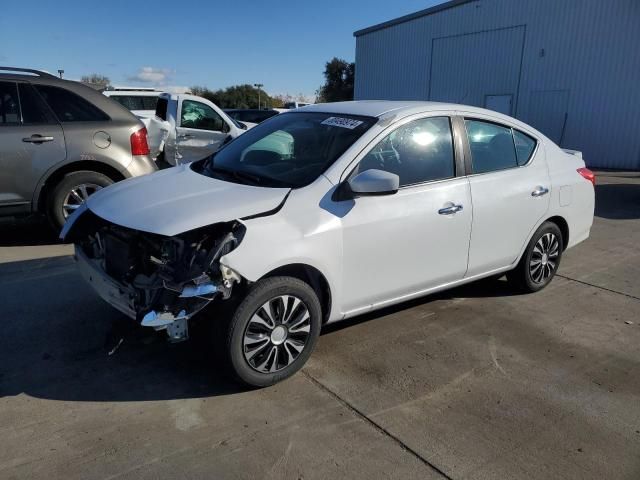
{"type": "Point", "coordinates": [159, 281]}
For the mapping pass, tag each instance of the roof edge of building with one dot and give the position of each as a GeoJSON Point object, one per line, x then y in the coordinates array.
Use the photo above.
{"type": "Point", "coordinates": [411, 16]}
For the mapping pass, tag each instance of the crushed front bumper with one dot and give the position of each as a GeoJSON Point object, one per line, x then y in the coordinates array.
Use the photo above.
{"type": "Point", "coordinates": [110, 291]}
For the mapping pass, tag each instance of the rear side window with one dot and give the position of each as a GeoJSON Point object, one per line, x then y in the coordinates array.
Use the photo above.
{"type": "Point", "coordinates": [136, 102]}
{"type": "Point", "coordinates": [70, 107]}
{"type": "Point", "coordinates": [149, 103]}
{"type": "Point", "coordinates": [525, 145]}
{"type": "Point", "coordinates": [491, 145]}
{"type": "Point", "coordinates": [34, 110]}
{"type": "Point", "coordinates": [420, 151]}
{"type": "Point", "coordinates": [9, 104]}
{"type": "Point", "coordinates": [128, 101]}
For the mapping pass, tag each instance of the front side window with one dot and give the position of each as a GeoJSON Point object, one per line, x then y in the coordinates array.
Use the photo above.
{"type": "Point", "coordinates": [420, 151]}
{"type": "Point", "coordinates": [9, 105]}
{"type": "Point", "coordinates": [291, 150]}
{"type": "Point", "coordinates": [491, 145]}
{"type": "Point", "coordinates": [69, 107]}
{"type": "Point", "coordinates": [200, 116]}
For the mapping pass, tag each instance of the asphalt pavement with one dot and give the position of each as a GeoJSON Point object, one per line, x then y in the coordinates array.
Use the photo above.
{"type": "Point", "coordinates": [474, 383]}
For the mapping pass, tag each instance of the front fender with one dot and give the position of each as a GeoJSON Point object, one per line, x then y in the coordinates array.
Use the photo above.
{"type": "Point", "coordinates": [273, 242]}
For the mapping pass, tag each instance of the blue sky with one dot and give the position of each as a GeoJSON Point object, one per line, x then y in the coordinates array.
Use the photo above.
{"type": "Point", "coordinates": [281, 43]}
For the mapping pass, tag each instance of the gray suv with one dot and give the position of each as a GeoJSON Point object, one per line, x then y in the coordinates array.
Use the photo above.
{"type": "Point", "coordinates": [60, 141]}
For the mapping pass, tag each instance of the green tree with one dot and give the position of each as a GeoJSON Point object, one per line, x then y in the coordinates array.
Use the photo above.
{"type": "Point", "coordinates": [97, 81]}
{"type": "Point", "coordinates": [339, 78]}
{"type": "Point", "coordinates": [237, 96]}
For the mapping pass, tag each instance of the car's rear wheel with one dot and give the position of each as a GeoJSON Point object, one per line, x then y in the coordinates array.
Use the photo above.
{"type": "Point", "coordinates": [71, 192]}
{"type": "Point", "coordinates": [541, 259]}
{"type": "Point", "coordinates": [273, 331]}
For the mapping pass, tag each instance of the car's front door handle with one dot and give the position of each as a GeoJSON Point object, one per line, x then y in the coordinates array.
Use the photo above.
{"type": "Point", "coordinates": [539, 191]}
{"type": "Point", "coordinates": [35, 138]}
{"type": "Point", "coordinates": [185, 136]}
{"type": "Point", "coordinates": [450, 210]}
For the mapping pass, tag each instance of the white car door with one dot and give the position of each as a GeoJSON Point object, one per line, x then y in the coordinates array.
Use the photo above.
{"type": "Point", "coordinates": [200, 131]}
{"type": "Point", "coordinates": [510, 189]}
{"type": "Point", "coordinates": [418, 238]}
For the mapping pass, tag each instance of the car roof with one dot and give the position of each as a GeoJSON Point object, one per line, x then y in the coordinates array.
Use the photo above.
{"type": "Point", "coordinates": [132, 93]}
{"type": "Point", "coordinates": [401, 108]}
{"type": "Point", "coordinates": [112, 108]}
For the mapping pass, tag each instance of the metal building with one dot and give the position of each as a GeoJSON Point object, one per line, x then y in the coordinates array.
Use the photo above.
{"type": "Point", "coordinates": [570, 68]}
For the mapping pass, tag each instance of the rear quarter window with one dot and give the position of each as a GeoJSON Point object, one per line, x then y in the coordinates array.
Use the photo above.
{"type": "Point", "coordinates": [70, 107]}
{"type": "Point", "coordinates": [525, 145]}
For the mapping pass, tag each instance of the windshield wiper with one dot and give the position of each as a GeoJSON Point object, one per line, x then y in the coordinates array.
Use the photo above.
{"type": "Point", "coordinates": [237, 175]}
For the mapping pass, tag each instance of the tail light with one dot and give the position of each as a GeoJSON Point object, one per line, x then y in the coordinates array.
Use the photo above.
{"type": "Point", "coordinates": [588, 175]}
{"type": "Point", "coordinates": [139, 145]}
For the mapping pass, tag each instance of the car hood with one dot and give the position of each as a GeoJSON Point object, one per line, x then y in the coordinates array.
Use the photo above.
{"type": "Point", "coordinates": [178, 199]}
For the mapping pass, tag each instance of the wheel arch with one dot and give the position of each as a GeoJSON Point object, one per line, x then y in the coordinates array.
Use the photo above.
{"type": "Point", "coordinates": [54, 177]}
{"type": "Point", "coordinates": [313, 277]}
{"type": "Point", "coordinates": [564, 229]}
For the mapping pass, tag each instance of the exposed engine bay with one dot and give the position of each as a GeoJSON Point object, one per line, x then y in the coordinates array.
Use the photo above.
{"type": "Point", "coordinates": [159, 281]}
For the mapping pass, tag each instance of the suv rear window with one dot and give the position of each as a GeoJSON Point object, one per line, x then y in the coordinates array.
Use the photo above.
{"type": "Point", "coordinates": [69, 107]}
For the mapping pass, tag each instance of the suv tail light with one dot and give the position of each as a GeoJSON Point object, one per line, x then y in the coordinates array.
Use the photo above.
{"type": "Point", "coordinates": [139, 145]}
{"type": "Point", "coordinates": [588, 175]}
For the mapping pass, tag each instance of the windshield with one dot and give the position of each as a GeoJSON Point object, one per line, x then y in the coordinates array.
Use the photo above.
{"type": "Point", "coordinates": [290, 150]}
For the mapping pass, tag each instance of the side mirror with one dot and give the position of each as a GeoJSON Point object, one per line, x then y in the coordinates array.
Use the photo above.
{"type": "Point", "coordinates": [374, 182]}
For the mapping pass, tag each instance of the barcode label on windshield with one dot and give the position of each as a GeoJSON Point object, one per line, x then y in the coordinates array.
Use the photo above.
{"type": "Point", "coordinates": [342, 122]}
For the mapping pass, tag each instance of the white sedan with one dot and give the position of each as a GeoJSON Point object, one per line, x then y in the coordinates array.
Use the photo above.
{"type": "Point", "coordinates": [327, 212]}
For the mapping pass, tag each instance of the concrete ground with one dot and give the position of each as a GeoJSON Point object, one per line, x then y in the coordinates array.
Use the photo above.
{"type": "Point", "coordinates": [473, 383]}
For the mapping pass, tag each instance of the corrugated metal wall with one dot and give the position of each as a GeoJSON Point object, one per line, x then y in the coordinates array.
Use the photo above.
{"type": "Point", "coordinates": [578, 70]}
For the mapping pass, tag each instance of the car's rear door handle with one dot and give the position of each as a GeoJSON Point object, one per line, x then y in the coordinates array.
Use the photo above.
{"type": "Point", "coordinates": [450, 210]}
{"type": "Point", "coordinates": [539, 191]}
{"type": "Point", "coordinates": [185, 136]}
{"type": "Point", "coordinates": [35, 138]}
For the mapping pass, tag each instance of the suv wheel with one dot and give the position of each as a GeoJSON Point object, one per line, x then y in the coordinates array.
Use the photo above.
{"type": "Point", "coordinates": [540, 260]}
{"type": "Point", "coordinates": [273, 331]}
{"type": "Point", "coordinates": [71, 192]}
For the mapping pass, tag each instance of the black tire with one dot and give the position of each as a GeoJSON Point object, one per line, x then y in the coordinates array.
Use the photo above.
{"type": "Point", "coordinates": [242, 321]}
{"type": "Point", "coordinates": [535, 270]}
{"type": "Point", "coordinates": [56, 199]}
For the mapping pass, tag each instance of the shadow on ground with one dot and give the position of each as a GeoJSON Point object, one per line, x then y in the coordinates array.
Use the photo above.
{"type": "Point", "coordinates": [27, 232]}
{"type": "Point", "coordinates": [58, 335]}
{"type": "Point", "coordinates": [618, 201]}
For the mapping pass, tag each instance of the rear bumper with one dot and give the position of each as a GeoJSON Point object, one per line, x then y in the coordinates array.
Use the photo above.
{"type": "Point", "coordinates": [110, 291]}
{"type": "Point", "coordinates": [140, 165]}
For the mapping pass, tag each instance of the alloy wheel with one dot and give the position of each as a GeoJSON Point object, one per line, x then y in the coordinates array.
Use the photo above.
{"type": "Point", "coordinates": [544, 258]}
{"type": "Point", "coordinates": [77, 196]}
{"type": "Point", "coordinates": [276, 334]}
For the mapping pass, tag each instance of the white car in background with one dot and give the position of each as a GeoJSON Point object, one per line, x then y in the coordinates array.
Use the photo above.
{"type": "Point", "coordinates": [140, 101]}
{"type": "Point", "coordinates": [327, 212]}
{"type": "Point", "coordinates": [186, 128]}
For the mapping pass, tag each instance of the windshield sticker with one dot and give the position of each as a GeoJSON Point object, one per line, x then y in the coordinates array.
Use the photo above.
{"type": "Point", "coordinates": [342, 122]}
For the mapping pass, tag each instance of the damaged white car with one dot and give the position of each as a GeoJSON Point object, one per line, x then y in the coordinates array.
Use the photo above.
{"type": "Point", "coordinates": [327, 212]}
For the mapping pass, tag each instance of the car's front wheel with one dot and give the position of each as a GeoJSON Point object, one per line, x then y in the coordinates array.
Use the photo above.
{"type": "Point", "coordinates": [273, 331]}
{"type": "Point", "coordinates": [541, 259]}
